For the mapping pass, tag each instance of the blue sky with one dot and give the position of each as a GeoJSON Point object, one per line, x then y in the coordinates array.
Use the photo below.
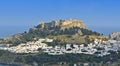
{"type": "Point", "coordinates": [17, 16]}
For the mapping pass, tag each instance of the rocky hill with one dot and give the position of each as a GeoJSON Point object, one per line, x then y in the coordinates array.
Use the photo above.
{"type": "Point", "coordinates": [115, 36]}
{"type": "Point", "coordinates": [62, 31]}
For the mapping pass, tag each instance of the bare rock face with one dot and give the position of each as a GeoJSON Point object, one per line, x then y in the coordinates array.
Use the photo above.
{"type": "Point", "coordinates": [55, 23]}
{"type": "Point", "coordinates": [115, 36]}
{"type": "Point", "coordinates": [72, 23]}
{"type": "Point", "coordinates": [63, 24]}
{"type": "Point", "coordinates": [41, 25]}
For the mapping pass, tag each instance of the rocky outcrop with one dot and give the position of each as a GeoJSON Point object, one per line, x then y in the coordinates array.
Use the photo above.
{"type": "Point", "coordinates": [115, 36]}
{"type": "Point", "coordinates": [72, 23]}
{"type": "Point", "coordinates": [63, 24]}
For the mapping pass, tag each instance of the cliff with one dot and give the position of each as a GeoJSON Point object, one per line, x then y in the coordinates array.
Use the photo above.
{"type": "Point", "coordinates": [72, 23]}
{"type": "Point", "coordinates": [63, 24]}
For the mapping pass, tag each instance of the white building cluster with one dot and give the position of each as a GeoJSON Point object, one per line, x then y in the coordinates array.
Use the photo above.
{"type": "Point", "coordinates": [92, 49]}
{"type": "Point", "coordinates": [95, 48]}
{"type": "Point", "coordinates": [69, 48]}
{"type": "Point", "coordinates": [29, 47]}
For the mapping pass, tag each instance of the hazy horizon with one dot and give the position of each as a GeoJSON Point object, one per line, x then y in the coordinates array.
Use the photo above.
{"type": "Point", "coordinates": [17, 16]}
